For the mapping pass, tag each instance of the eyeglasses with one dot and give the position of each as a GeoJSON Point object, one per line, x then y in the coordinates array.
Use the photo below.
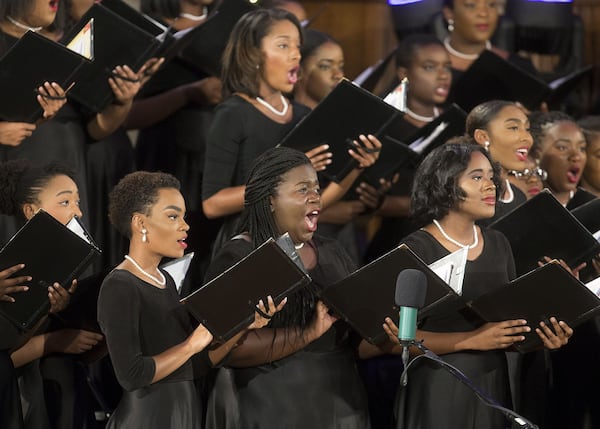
{"type": "Point", "coordinates": [527, 174]}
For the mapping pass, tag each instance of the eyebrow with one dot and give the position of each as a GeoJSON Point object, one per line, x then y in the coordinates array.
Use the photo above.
{"type": "Point", "coordinates": [64, 192]}
{"type": "Point", "coordinates": [514, 120]}
{"type": "Point", "coordinates": [176, 208]}
{"type": "Point", "coordinates": [480, 170]}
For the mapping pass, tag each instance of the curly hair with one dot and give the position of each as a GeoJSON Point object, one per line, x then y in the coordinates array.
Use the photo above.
{"type": "Point", "coordinates": [265, 176]}
{"type": "Point", "coordinates": [435, 187]}
{"type": "Point", "coordinates": [539, 123]}
{"type": "Point", "coordinates": [21, 182]}
{"type": "Point", "coordinates": [136, 193]}
{"type": "Point", "coordinates": [480, 117]}
{"type": "Point", "coordinates": [243, 56]}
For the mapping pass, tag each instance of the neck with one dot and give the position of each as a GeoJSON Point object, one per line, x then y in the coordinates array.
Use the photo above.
{"type": "Point", "coordinates": [466, 47]}
{"type": "Point", "coordinates": [420, 114]}
{"type": "Point", "coordinates": [458, 226]}
{"type": "Point", "coordinates": [12, 30]}
{"type": "Point", "coordinates": [589, 187]}
{"type": "Point", "coordinates": [193, 9]}
{"type": "Point", "coordinates": [303, 98]}
{"type": "Point", "coordinates": [149, 262]}
{"type": "Point", "coordinates": [563, 197]}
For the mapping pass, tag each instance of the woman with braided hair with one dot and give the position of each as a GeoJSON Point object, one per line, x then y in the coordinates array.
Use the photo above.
{"type": "Point", "coordinates": [304, 351]}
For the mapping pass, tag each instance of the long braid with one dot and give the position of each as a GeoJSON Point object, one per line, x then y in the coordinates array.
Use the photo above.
{"type": "Point", "coordinates": [257, 219]}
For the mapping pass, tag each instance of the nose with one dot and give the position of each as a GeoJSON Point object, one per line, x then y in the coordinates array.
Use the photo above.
{"type": "Point", "coordinates": [488, 184]}
{"type": "Point", "coordinates": [338, 73]}
{"type": "Point", "coordinates": [184, 225]}
{"type": "Point", "coordinates": [77, 212]}
{"type": "Point", "coordinates": [295, 53]}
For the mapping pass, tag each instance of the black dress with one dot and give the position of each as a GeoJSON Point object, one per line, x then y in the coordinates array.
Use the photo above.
{"type": "Point", "coordinates": [433, 398]}
{"type": "Point", "coordinates": [139, 321]}
{"type": "Point", "coordinates": [238, 134]}
{"type": "Point", "coordinates": [316, 387]}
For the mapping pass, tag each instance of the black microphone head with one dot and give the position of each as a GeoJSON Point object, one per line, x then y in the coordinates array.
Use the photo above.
{"type": "Point", "coordinates": [411, 286]}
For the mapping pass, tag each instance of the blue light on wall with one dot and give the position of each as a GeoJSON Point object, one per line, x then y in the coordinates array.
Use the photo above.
{"type": "Point", "coordinates": [402, 2]}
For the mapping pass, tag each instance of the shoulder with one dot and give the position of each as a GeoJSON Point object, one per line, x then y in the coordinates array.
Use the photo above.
{"type": "Point", "coordinates": [233, 104]}
{"type": "Point", "coordinates": [118, 284]}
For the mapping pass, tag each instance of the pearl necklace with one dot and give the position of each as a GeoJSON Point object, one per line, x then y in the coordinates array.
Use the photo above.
{"type": "Point", "coordinates": [281, 112]}
{"type": "Point", "coordinates": [299, 246]}
{"type": "Point", "coordinates": [420, 118]}
{"type": "Point", "coordinates": [23, 26]}
{"type": "Point", "coordinates": [449, 48]}
{"type": "Point", "coordinates": [196, 18]}
{"type": "Point", "coordinates": [453, 241]}
{"type": "Point", "coordinates": [162, 281]}
{"type": "Point", "coordinates": [511, 194]}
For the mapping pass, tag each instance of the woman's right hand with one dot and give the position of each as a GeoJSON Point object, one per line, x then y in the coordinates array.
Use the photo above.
{"type": "Point", "coordinates": [260, 321]}
{"type": "Point", "coordinates": [199, 339]}
{"type": "Point", "coordinates": [73, 341]}
{"type": "Point", "coordinates": [498, 335]}
{"type": "Point", "coordinates": [13, 133]}
{"type": "Point", "coordinates": [319, 157]}
{"type": "Point", "coordinates": [9, 286]}
{"type": "Point", "coordinates": [204, 92]}
{"type": "Point", "coordinates": [321, 322]}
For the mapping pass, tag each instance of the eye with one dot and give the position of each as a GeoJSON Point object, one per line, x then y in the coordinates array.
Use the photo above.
{"type": "Point", "coordinates": [303, 190]}
{"type": "Point", "coordinates": [283, 45]}
{"type": "Point", "coordinates": [173, 216]}
{"type": "Point", "coordinates": [64, 203]}
{"type": "Point", "coordinates": [324, 67]}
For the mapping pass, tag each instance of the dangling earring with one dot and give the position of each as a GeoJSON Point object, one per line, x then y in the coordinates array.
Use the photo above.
{"type": "Point", "coordinates": [144, 235]}
{"type": "Point", "coordinates": [450, 25]}
{"type": "Point", "coordinates": [257, 67]}
{"type": "Point", "coordinates": [486, 146]}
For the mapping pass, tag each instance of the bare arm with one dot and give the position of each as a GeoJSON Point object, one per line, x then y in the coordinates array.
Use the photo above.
{"type": "Point", "coordinates": [225, 202]}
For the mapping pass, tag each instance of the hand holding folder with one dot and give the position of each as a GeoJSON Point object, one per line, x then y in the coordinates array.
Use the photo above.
{"type": "Point", "coordinates": [228, 303]}
{"type": "Point", "coordinates": [36, 245]}
{"type": "Point", "coordinates": [546, 292]}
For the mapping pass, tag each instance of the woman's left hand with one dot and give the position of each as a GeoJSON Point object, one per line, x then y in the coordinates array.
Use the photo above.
{"type": "Point", "coordinates": [52, 98]}
{"type": "Point", "coordinates": [555, 337]}
{"type": "Point", "coordinates": [366, 151]}
{"type": "Point", "coordinates": [391, 330]}
{"type": "Point", "coordinates": [60, 297]}
{"type": "Point", "coordinates": [574, 271]}
{"type": "Point", "coordinates": [125, 84]}
{"type": "Point", "coordinates": [263, 317]}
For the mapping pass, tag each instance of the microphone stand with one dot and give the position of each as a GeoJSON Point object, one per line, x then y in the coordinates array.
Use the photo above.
{"type": "Point", "coordinates": [519, 420]}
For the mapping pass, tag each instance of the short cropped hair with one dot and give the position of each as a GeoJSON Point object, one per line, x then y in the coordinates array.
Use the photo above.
{"type": "Point", "coordinates": [539, 122]}
{"type": "Point", "coordinates": [405, 55]}
{"type": "Point", "coordinates": [136, 193]}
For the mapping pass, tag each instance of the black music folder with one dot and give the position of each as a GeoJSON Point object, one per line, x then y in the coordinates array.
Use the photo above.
{"type": "Point", "coordinates": [208, 41]}
{"type": "Point", "coordinates": [451, 123]}
{"type": "Point", "coordinates": [537, 296]}
{"type": "Point", "coordinates": [366, 297]}
{"type": "Point", "coordinates": [51, 253]}
{"type": "Point", "coordinates": [33, 60]}
{"type": "Point", "coordinates": [491, 77]}
{"type": "Point", "coordinates": [226, 304]}
{"type": "Point", "coordinates": [370, 77]}
{"type": "Point", "coordinates": [589, 216]}
{"type": "Point", "coordinates": [543, 227]}
{"type": "Point", "coordinates": [116, 42]}
{"type": "Point", "coordinates": [338, 120]}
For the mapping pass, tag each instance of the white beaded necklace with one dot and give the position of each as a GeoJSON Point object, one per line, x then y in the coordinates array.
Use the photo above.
{"type": "Point", "coordinates": [23, 26]}
{"type": "Point", "coordinates": [420, 118]}
{"type": "Point", "coordinates": [453, 241]}
{"type": "Point", "coordinates": [449, 48]}
{"type": "Point", "coordinates": [299, 246]}
{"type": "Point", "coordinates": [162, 281]}
{"type": "Point", "coordinates": [281, 112]}
{"type": "Point", "coordinates": [511, 194]}
{"type": "Point", "coordinates": [196, 18]}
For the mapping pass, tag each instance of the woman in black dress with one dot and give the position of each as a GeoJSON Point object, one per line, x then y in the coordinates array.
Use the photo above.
{"type": "Point", "coordinates": [260, 65]}
{"type": "Point", "coordinates": [150, 336]}
{"type": "Point", "coordinates": [300, 371]}
{"type": "Point", "coordinates": [455, 186]}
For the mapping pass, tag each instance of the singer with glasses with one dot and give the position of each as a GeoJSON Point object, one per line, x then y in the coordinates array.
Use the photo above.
{"type": "Point", "coordinates": [455, 186]}
{"type": "Point", "coordinates": [530, 181]}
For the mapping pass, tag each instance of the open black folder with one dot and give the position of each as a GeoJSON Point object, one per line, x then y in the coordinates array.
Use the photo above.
{"type": "Point", "coordinates": [51, 253]}
{"type": "Point", "coordinates": [543, 227]}
{"type": "Point", "coordinates": [548, 291]}
{"type": "Point", "coordinates": [589, 216]}
{"type": "Point", "coordinates": [338, 120]}
{"type": "Point", "coordinates": [366, 297]}
{"type": "Point", "coordinates": [33, 60]}
{"type": "Point", "coordinates": [492, 77]}
{"type": "Point", "coordinates": [116, 42]}
{"type": "Point", "coordinates": [226, 304]}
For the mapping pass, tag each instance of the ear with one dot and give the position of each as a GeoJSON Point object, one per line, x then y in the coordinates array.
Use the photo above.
{"type": "Point", "coordinates": [137, 223]}
{"type": "Point", "coordinates": [29, 210]}
{"type": "Point", "coordinates": [271, 204]}
{"type": "Point", "coordinates": [481, 136]}
{"type": "Point", "coordinates": [448, 13]}
{"type": "Point", "coordinates": [401, 72]}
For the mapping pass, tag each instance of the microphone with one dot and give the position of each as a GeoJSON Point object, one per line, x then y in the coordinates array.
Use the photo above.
{"type": "Point", "coordinates": [411, 286]}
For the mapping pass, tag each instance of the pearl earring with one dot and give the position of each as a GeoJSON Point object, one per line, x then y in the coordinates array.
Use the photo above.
{"type": "Point", "coordinates": [144, 235]}
{"type": "Point", "coordinates": [450, 25]}
{"type": "Point", "coordinates": [486, 146]}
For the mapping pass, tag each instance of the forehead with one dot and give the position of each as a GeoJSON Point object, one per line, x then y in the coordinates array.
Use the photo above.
{"type": "Point", "coordinates": [302, 173]}
{"type": "Point", "coordinates": [283, 28]}
{"type": "Point", "coordinates": [510, 112]}
{"type": "Point", "coordinates": [59, 183]}
{"type": "Point", "coordinates": [431, 51]}
{"type": "Point", "coordinates": [563, 128]}
{"type": "Point", "coordinates": [169, 197]}
{"type": "Point", "coordinates": [478, 161]}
